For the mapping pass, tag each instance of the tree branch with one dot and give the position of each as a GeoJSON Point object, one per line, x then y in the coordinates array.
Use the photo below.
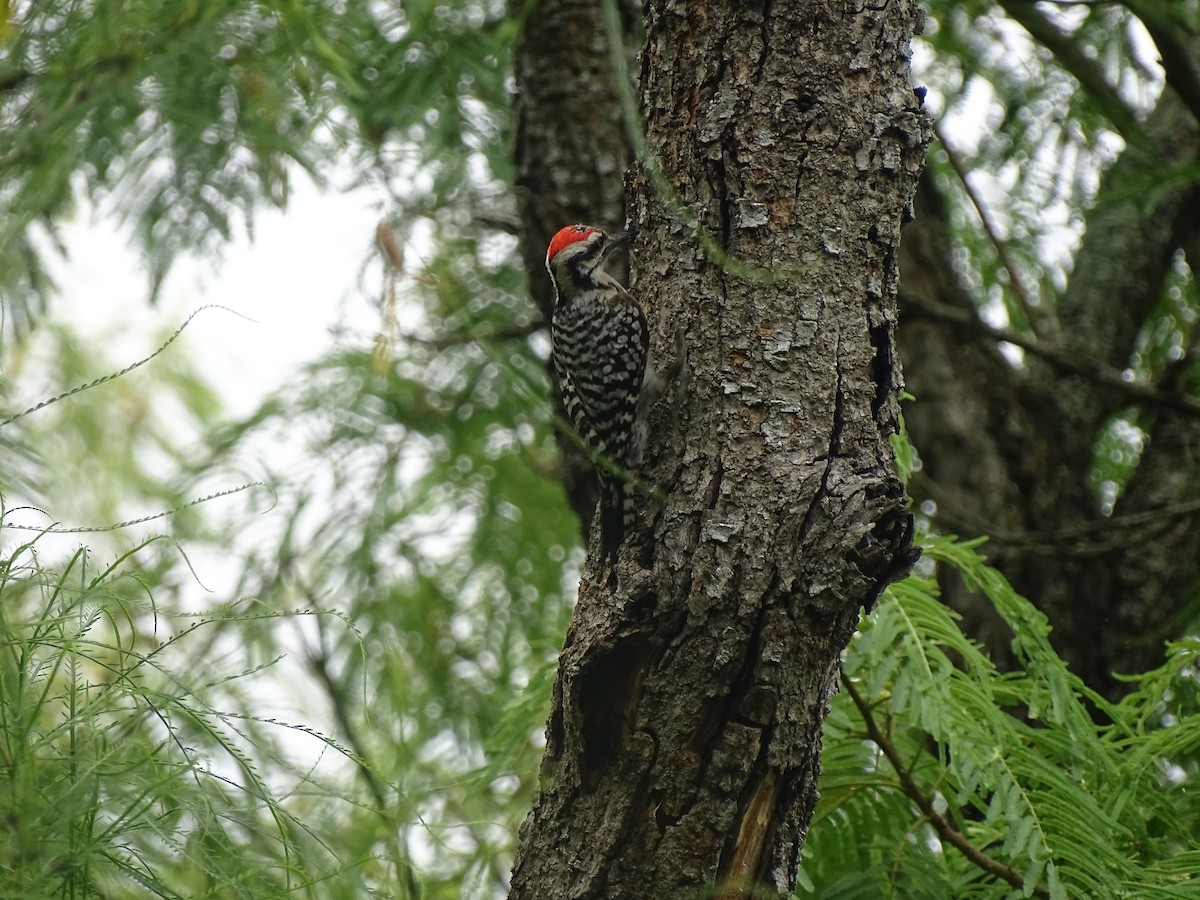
{"type": "Point", "coordinates": [458, 338]}
{"type": "Point", "coordinates": [1081, 541]}
{"type": "Point", "coordinates": [14, 79]}
{"type": "Point", "coordinates": [1063, 359]}
{"type": "Point", "coordinates": [946, 831]}
{"type": "Point", "coordinates": [318, 664]}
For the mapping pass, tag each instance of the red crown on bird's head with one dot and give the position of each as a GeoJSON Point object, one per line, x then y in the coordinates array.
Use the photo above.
{"type": "Point", "coordinates": [566, 237]}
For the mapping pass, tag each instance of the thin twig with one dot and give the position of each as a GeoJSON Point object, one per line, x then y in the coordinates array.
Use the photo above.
{"type": "Point", "coordinates": [458, 338]}
{"type": "Point", "coordinates": [497, 220]}
{"type": "Point", "coordinates": [14, 79]}
{"type": "Point", "coordinates": [112, 376]}
{"type": "Point", "coordinates": [944, 829]}
{"type": "Point", "coordinates": [1029, 304]}
{"type": "Point", "coordinates": [318, 664]}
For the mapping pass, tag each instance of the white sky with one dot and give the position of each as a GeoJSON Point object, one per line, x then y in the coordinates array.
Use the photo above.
{"type": "Point", "coordinates": [297, 279]}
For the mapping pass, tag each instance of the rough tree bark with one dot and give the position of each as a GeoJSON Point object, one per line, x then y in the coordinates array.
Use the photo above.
{"type": "Point", "coordinates": [682, 749]}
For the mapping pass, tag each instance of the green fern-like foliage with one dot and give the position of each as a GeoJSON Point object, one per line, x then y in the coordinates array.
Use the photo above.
{"type": "Point", "coordinates": [133, 763]}
{"type": "Point", "coordinates": [945, 778]}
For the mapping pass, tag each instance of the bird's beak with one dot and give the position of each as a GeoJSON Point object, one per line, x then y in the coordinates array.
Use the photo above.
{"type": "Point", "coordinates": [621, 237]}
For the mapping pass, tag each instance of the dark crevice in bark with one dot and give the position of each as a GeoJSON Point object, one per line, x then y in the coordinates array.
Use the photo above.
{"type": "Point", "coordinates": [718, 185]}
{"type": "Point", "coordinates": [719, 710]}
{"type": "Point", "coordinates": [882, 367]}
{"type": "Point", "coordinates": [886, 553]}
{"type": "Point", "coordinates": [765, 34]}
{"type": "Point", "coordinates": [713, 493]}
{"type": "Point", "coordinates": [748, 851]}
{"type": "Point", "coordinates": [831, 455]}
{"type": "Point", "coordinates": [608, 689]}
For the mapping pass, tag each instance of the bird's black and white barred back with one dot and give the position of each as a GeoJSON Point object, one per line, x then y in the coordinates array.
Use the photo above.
{"type": "Point", "coordinates": [600, 345]}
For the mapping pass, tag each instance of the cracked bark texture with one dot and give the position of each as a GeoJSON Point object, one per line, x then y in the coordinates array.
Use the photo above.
{"type": "Point", "coordinates": [1008, 451]}
{"type": "Point", "coordinates": [682, 750]}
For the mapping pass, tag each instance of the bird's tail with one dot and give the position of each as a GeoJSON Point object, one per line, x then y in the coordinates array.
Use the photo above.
{"type": "Point", "coordinates": [617, 510]}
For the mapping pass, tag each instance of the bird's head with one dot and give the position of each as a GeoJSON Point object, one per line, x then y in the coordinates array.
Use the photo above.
{"type": "Point", "coordinates": [577, 251]}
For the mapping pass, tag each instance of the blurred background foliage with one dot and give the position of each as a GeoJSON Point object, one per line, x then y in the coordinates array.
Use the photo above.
{"type": "Point", "coordinates": [356, 709]}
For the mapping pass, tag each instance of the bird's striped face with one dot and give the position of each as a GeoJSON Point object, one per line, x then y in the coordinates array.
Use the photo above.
{"type": "Point", "coordinates": [575, 254]}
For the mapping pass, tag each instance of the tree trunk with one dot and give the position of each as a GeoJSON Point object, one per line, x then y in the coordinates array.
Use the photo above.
{"type": "Point", "coordinates": [682, 749]}
{"type": "Point", "coordinates": [1008, 451]}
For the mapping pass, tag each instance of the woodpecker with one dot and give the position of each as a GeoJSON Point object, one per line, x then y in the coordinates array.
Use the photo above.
{"type": "Point", "coordinates": [600, 347]}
